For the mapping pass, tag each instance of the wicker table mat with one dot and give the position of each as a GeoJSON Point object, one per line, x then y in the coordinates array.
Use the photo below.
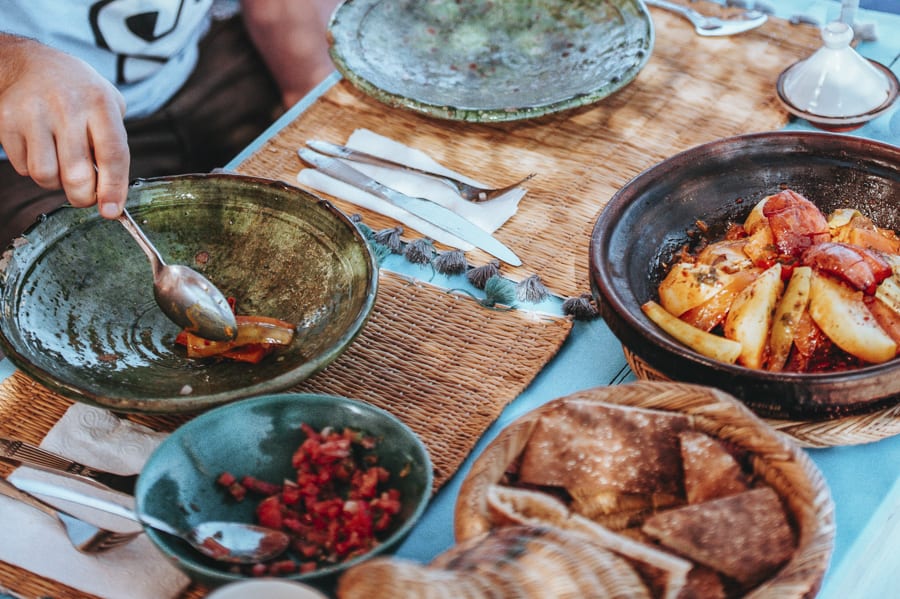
{"type": "Point", "coordinates": [848, 430]}
{"type": "Point", "coordinates": [416, 358]}
{"type": "Point", "coordinates": [693, 90]}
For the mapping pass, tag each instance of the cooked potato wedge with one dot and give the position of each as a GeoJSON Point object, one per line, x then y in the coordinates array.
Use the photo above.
{"type": "Point", "coordinates": [750, 318]}
{"type": "Point", "coordinates": [790, 308]}
{"type": "Point", "coordinates": [707, 344]}
{"type": "Point", "coordinates": [689, 285]}
{"type": "Point", "coordinates": [760, 246]}
{"type": "Point", "coordinates": [841, 218]}
{"type": "Point", "coordinates": [756, 218]}
{"type": "Point", "coordinates": [842, 315]}
{"type": "Point", "coordinates": [889, 292]}
{"type": "Point", "coordinates": [894, 261]}
{"type": "Point", "coordinates": [712, 313]}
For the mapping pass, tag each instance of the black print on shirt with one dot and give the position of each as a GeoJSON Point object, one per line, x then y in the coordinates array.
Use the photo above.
{"type": "Point", "coordinates": [144, 40]}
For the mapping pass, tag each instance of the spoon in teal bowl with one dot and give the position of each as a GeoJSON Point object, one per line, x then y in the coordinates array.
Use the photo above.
{"type": "Point", "coordinates": [230, 542]}
{"type": "Point", "coordinates": [185, 296]}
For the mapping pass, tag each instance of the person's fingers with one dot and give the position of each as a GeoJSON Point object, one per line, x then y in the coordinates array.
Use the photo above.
{"type": "Point", "coordinates": [76, 166]}
{"type": "Point", "coordinates": [16, 152]}
{"type": "Point", "coordinates": [42, 162]}
{"type": "Point", "coordinates": [112, 157]}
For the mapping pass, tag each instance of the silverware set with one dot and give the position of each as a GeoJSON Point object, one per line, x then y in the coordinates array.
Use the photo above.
{"type": "Point", "coordinates": [84, 536]}
{"type": "Point", "coordinates": [468, 192]}
{"type": "Point", "coordinates": [329, 159]}
{"type": "Point", "coordinates": [13, 450]}
{"type": "Point", "coordinates": [706, 26]}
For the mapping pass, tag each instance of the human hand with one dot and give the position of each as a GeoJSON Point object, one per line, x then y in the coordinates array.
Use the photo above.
{"type": "Point", "coordinates": [61, 124]}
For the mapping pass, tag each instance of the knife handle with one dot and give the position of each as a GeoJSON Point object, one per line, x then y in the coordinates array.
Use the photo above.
{"type": "Point", "coordinates": [342, 172]}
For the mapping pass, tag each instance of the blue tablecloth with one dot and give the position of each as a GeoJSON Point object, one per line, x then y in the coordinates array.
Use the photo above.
{"type": "Point", "coordinates": [864, 480]}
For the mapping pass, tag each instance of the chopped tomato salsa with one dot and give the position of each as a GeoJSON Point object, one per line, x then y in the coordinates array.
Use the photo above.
{"type": "Point", "coordinates": [339, 504]}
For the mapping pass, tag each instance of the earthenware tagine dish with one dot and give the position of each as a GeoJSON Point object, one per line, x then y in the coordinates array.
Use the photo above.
{"type": "Point", "coordinates": [649, 220]}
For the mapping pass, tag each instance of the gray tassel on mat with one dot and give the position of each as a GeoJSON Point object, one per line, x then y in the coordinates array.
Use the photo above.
{"type": "Point", "coordinates": [581, 307]}
{"type": "Point", "coordinates": [419, 251]}
{"type": "Point", "coordinates": [452, 262]}
{"type": "Point", "coordinates": [480, 275]}
{"type": "Point", "coordinates": [532, 290]}
{"type": "Point", "coordinates": [391, 239]}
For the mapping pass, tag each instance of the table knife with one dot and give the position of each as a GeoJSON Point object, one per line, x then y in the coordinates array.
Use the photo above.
{"type": "Point", "coordinates": [435, 214]}
{"type": "Point", "coordinates": [21, 452]}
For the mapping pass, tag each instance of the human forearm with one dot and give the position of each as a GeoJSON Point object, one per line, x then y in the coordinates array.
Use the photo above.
{"type": "Point", "coordinates": [290, 36]}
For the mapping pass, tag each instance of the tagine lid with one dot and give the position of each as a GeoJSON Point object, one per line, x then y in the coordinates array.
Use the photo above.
{"type": "Point", "coordinates": [836, 82]}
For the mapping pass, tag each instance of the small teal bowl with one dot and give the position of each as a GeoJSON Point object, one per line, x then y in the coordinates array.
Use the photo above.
{"type": "Point", "coordinates": [258, 436]}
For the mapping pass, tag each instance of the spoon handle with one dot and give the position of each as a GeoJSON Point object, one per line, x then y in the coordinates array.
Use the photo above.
{"type": "Point", "coordinates": [139, 236]}
{"type": "Point", "coordinates": [39, 487]}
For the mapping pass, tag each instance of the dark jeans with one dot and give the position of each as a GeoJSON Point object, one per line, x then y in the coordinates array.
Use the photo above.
{"type": "Point", "coordinates": [228, 101]}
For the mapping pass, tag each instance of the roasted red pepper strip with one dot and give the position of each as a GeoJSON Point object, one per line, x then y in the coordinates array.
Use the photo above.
{"type": "Point", "coordinates": [257, 336]}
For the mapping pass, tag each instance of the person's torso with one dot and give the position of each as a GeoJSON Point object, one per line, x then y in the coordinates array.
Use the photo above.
{"type": "Point", "coordinates": [146, 47]}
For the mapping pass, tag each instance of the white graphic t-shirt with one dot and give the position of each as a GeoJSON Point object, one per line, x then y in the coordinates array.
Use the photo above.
{"type": "Point", "coordinates": [148, 48]}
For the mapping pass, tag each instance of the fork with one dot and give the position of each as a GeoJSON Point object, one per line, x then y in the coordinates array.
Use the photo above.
{"type": "Point", "coordinates": [85, 537]}
{"type": "Point", "coordinates": [714, 26]}
{"type": "Point", "coordinates": [21, 452]}
{"type": "Point", "coordinates": [471, 193]}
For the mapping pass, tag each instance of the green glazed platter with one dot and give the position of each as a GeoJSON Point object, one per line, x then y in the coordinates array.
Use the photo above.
{"type": "Point", "coordinates": [490, 61]}
{"type": "Point", "coordinates": [80, 317]}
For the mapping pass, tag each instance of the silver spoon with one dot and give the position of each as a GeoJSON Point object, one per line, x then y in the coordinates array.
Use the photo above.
{"type": "Point", "coordinates": [188, 298]}
{"type": "Point", "coordinates": [230, 542]}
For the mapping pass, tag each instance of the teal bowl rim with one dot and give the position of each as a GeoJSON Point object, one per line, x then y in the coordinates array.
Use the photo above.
{"type": "Point", "coordinates": [214, 576]}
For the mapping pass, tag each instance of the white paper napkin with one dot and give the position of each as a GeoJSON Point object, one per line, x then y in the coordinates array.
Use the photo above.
{"type": "Point", "coordinates": [36, 542]}
{"type": "Point", "coordinates": [487, 215]}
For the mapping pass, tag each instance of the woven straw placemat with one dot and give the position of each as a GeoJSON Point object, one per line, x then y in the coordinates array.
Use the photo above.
{"type": "Point", "coordinates": [439, 361]}
{"type": "Point", "coordinates": [693, 90]}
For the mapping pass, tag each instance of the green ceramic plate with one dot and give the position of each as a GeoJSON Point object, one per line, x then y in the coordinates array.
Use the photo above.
{"type": "Point", "coordinates": [490, 60]}
{"type": "Point", "coordinates": [257, 437]}
{"type": "Point", "coordinates": [77, 297]}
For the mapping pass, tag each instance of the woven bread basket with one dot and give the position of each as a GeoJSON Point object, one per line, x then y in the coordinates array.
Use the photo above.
{"type": "Point", "coordinates": [847, 430]}
{"type": "Point", "coordinates": [774, 458]}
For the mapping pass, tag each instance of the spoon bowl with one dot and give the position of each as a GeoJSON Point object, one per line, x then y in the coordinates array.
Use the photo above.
{"type": "Point", "coordinates": [185, 296]}
{"type": "Point", "coordinates": [229, 542]}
